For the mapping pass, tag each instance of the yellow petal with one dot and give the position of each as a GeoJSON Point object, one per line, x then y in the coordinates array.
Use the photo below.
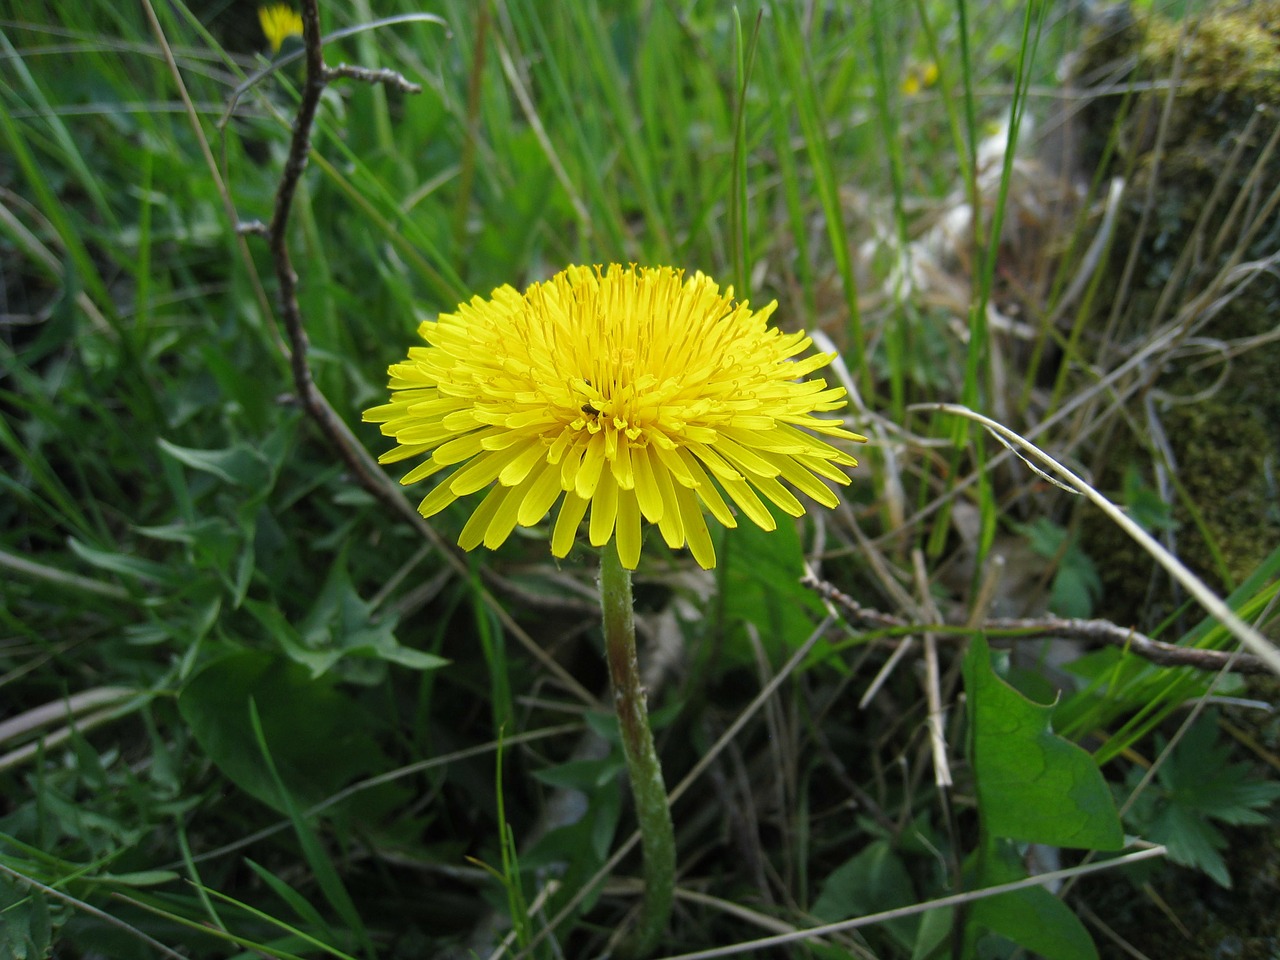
{"type": "Point", "coordinates": [437, 500]}
{"type": "Point", "coordinates": [695, 528]}
{"type": "Point", "coordinates": [592, 467]}
{"type": "Point", "coordinates": [571, 464]}
{"type": "Point", "coordinates": [628, 529]}
{"type": "Point", "coordinates": [748, 461]}
{"type": "Point", "coordinates": [572, 510]}
{"type": "Point", "coordinates": [677, 466]}
{"type": "Point", "coordinates": [804, 481]}
{"type": "Point", "coordinates": [473, 533]}
{"type": "Point", "coordinates": [403, 452]}
{"type": "Point", "coordinates": [423, 470]}
{"type": "Point", "coordinates": [746, 498]}
{"type": "Point", "coordinates": [647, 492]}
{"type": "Point", "coordinates": [779, 495]}
{"type": "Point", "coordinates": [604, 510]}
{"type": "Point", "coordinates": [707, 491]}
{"type": "Point", "coordinates": [481, 471]}
{"type": "Point", "coordinates": [515, 471]}
{"type": "Point", "coordinates": [623, 470]}
{"type": "Point", "coordinates": [504, 518]}
{"type": "Point", "coordinates": [671, 525]}
{"type": "Point", "coordinates": [463, 448]}
{"type": "Point", "coordinates": [542, 494]}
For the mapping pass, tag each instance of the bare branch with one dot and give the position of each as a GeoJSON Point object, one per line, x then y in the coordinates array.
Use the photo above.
{"type": "Point", "coordinates": [369, 75]}
{"type": "Point", "coordinates": [1010, 628]}
{"type": "Point", "coordinates": [357, 459]}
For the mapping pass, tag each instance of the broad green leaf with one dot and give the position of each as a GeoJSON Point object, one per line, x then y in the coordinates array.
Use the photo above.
{"type": "Point", "coordinates": [935, 925]}
{"type": "Point", "coordinates": [1032, 917]}
{"type": "Point", "coordinates": [581, 774]}
{"type": "Point", "coordinates": [873, 881]}
{"type": "Point", "coordinates": [26, 928]}
{"type": "Point", "coordinates": [315, 852]}
{"type": "Point", "coordinates": [1076, 584]}
{"type": "Point", "coordinates": [1038, 921]}
{"type": "Point", "coordinates": [317, 735]}
{"type": "Point", "coordinates": [1032, 784]}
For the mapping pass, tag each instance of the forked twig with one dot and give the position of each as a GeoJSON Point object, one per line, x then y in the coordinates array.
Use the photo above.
{"type": "Point", "coordinates": [357, 459]}
{"type": "Point", "coordinates": [318, 76]}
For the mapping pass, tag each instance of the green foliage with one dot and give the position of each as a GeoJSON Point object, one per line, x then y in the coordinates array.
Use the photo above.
{"type": "Point", "coordinates": [1196, 785]}
{"type": "Point", "coordinates": [874, 880]}
{"type": "Point", "coordinates": [759, 590]}
{"type": "Point", "coordinates": [341, 629]}
{"type": "Point", "coordinates": [1032, 786]}
{"type": "Point", "coordinates": [318, 736]}
{"type": "Point", "coordinates": [1145, 505]}
{"type": "Point", "coordinates": [26, 924]}
{"type": "Point", "coordinates": [1032, 918]}
{"type": "Point", "coordinates": [1076, 585]}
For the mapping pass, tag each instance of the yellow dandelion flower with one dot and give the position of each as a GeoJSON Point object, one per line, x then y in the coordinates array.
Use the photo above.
{"type": "Point", "coordinates": [279, 23]}
{"type": "Point", "coordinates": [637, 392]}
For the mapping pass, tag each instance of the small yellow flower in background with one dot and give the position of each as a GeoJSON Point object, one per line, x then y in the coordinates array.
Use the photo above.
{"type": "Point", "coordinates": [279, 23]}
{"type": "Point", "coordinates": [919, 77]}
{"type": "Point", "coordinates": [624, 390]}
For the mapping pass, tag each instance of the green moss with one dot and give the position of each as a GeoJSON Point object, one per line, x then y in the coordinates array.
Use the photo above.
{"type": "Point", "coordinates": [1226, 445]}
{"type": "Point", "coordinates": [1232, 51]}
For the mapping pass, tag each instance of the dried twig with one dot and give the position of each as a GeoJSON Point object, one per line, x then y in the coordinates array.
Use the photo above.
{"type": "Point", "coordinates": [1015, 628]}
{"type": "Point", "coordinates": [358, 460]}
{"type": "Point", "coordinates": [388, 78]}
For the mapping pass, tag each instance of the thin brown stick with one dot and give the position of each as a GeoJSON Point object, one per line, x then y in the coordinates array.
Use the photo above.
{"type": "Point", "coordinates": [357, 459]}
{"type": "Point", "coordinates": [1017, 628]}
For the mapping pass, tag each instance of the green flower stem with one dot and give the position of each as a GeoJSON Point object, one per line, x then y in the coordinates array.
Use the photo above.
{"type": "Point", "coordinates": [657, 835]}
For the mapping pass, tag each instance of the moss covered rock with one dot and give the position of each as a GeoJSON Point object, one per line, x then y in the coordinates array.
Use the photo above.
{"type": "Point", "coordinates": [1184, 111]}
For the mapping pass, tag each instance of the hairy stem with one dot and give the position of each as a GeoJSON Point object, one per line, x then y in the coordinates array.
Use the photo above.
{"type": "Point", "coordinates": [657, 836]}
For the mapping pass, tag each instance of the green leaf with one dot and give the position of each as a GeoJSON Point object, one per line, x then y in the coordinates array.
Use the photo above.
{"type": "Point", "coordinates": [1032, 784]}
{"type": "Point", "coordinates": [1145, 505]}
{"type": "Point", "coordinates": [873, 881]}
{"type": "Point", "coordinates": [1199, 776]}
{"type": "Point", "coordinates": [26, 929]}
{"type": "Point", "coordinates": [317, 735]}
{"type": "Point", "coordinates": [583, 775]}
{"type": "Point", "coordinates": [125, 565]}
{"type": "Point", "coordinates": [1032, 917]}
{"type": "Point", "coordinates": [1192, 841]}
{"type": "Point", "coordinates": [239, 465]}
{"type": "Point", "coordinates": [1076, 584]}
{"type": "Point", "coordinates": [295, 900]}
{"type": "Point", "coordinates": [317, 856]}
{"type": "Point", "coordinates": [1195, 785]}
{"type": "Point", "coordinates": [341, 626]}
{"type": "Point", "coordinates": [1038, 921]}
{"type": "Point", "coordinates": [935, 926]}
